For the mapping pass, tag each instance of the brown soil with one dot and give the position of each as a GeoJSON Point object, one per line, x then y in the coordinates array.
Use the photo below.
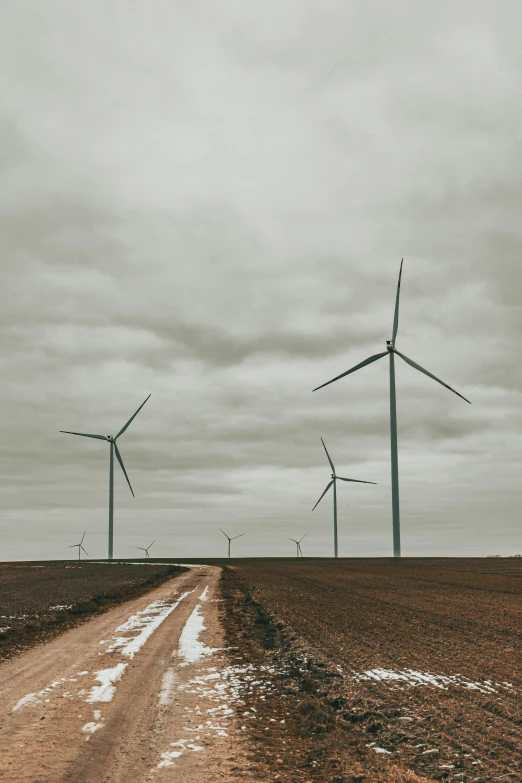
{"type": "Point", "coordinates": [31, 592]}
{"type": "Point", "coordinates": [318, 623]}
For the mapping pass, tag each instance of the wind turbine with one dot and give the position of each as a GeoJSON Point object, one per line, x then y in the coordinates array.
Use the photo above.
{"type": "Point", "coordinates": [114, 448]}
{"type": "Point", "coordinates": [231, 539]}
{"type": "Point", "coordinates": [391, 350]}
{"type": "Point", "coordinates": [299, 550]}
{"type": "Point", "coordinates": [80, 547]}
{"type": "Point", "coordinates": [334, 479]}
{"type": "Point", "coordinates": [145, 549]}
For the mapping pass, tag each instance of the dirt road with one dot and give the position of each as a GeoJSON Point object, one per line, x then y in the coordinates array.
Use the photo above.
{"type": "Point", "coordinates": [142, 692]}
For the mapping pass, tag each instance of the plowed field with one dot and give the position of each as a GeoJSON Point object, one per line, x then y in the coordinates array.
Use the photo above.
{"type": "Point", "coordinates": [413, 661]}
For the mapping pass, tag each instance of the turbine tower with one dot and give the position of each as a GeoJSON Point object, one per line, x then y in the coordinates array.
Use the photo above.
{"type": "Point", "coordinates": [391, 350]}
{"type": "Point", "coordinates": [333, 481]}
{"type": "Point", "coordinates": [80, 547]}
{"type": "Point", "coordinates": [145, 549]}
{"type": "Point", "coordinates": [231, 539]}
{"type": "Point", "coordinates": [299, 550]}
{"type": "Point", "coordinates": [114, 449]}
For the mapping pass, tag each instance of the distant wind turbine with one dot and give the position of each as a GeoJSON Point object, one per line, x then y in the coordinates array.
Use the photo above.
{"type": "Point", "coordinates": [80, 547]}
{"type": "Point", "coordinates": [392, 350]}
{"type": "Point", "coordinates": [334, 479]}
{"type": "Point", "coordinates": [231, 539]}
{"type": "Point", "coordinates": [299, 550]}
{"type": "Point", "coordinates": [145, 549]}
{"type": "Point", "coordinates": [114, 448]}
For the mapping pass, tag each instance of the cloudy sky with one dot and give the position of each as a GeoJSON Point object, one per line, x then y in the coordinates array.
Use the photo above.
{"type": "Point", "coordinates": [209, 201]}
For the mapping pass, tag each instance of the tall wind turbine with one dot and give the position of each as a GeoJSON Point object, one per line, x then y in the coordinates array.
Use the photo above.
{"type": "Point", "coordinates": [299, 550]}
{"type": "Point", "coordinates": [391, 350]}
{"type": "Point", "coordinates": [145, 549]}
{"type": "Point", "coordinates": [114, 448]}
{"type": "Point", "coordinates": [231, 539]}
{"type": "Point", "coordinates": [333, 481]}
{"type": "Point", "coordinates": [80, 547]}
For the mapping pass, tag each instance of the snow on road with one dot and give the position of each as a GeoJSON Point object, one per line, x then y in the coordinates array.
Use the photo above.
{"type": "Point", "coordinates": [146, 623]}
{"type": "Point", "coordinates": [126, 642]}
{"type": "Point", "coordinates": [191, 649]}
{"type": "Point", "coordinates": [223, 686]}
{"type": "Point", "coordinates": [106, 677]}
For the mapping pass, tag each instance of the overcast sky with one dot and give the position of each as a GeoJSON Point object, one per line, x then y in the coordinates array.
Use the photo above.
{"type": "Point", "coordinates": [209, 201]}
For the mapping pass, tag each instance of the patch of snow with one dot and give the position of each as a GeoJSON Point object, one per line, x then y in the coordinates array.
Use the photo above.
{"type": "Point", "coordinates": [190, 648]}
{"type": "Point", "coordinates": [106, 677]}
{"type": "Point", "coordinates": [30, 698]}
{"type": "Point", "coordinates": [146, 622]}
{"type": "Point", "coordinates": [382, 750]}
{"type": "Point", "coordinates": [92, 727]}
{"type": "Point", "coordinates": [167, 758]}
{"type": "Point", "coordinates": [413, 678]}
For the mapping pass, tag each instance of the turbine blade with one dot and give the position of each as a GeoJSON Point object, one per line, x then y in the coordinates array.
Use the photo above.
{"type": "Point", "coordinates": [85, 435]}
{"type": "Point", "coordinates": [302, 538]}
{"type": "Point", "coordinates": [324, 493]}
{"type": "Point", "coordinates": [429, 374]}
{"type": "Point", "coordinates": [293, 539]}
{"type": "Point", "coordinates": [72, 546]}
{"type": "Point", "coordinates": [81, 542]}
{"type": "Point", "coordinates": [84, 550]}
{"type": "Point", "coordinates": [329, 460]}
{"type": "Point", "coordinates": [225, 534]}
{"type": "Point", "coordinates": [131, 418]}
{"type": "Point", "coordinates": [357, 367]}
{"type": "Point", "coordinates": [357, 481]}
{"type": "Point", "coordinates": [149, 546]}
{"type": "Point", "coordinates": [239, 536]}
{"type": "Point", "coordinates": [396, 315]}
{"type": "Point", "coordinates": [118, 455]}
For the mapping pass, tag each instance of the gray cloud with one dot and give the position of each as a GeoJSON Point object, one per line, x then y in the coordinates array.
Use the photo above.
{"type": "Point", "coordinates": [210, 203]}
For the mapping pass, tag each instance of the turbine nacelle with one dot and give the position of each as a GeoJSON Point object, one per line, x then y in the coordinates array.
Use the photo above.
{"type": "Point", "coordinates": [389, 345]}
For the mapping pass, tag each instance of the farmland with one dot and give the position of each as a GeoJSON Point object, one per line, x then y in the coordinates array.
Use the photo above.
{"type": "Point", "coordinates": [292, 671]}
{"type": "Point", "coordinates": [413, 662]}
{"type": "Point", "coordinates": [39, 600]}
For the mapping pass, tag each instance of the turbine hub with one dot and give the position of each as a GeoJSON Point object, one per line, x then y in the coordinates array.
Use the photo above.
{"type": "Point", "coordinates": [389, 346]}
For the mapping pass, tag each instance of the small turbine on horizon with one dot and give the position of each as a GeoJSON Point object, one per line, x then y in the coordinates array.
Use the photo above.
{"type": "Point", "coordinates": [114, 448]}
{"type": "Point", "coordinates": [334, 479]}
{"type": "Point", "coordinates": [231, 539]}
{"type": "Point", "coordinates": [391, 350]}
{"type": "Point", "coordinates": [80, 547]}
{"type": "Point", "coordinates": [299, 550]}
{"type": "Point", "coordinates": [145, 549]}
